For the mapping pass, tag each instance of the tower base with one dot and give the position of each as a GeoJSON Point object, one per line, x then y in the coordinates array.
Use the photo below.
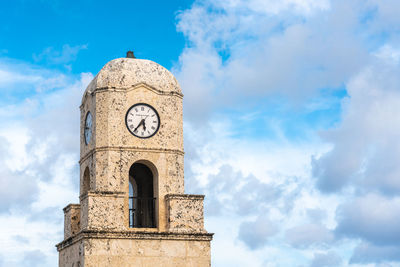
{"type": "Point", "coordinates": [144, 249]}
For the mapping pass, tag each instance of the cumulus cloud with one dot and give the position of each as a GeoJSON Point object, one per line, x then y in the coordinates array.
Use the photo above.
{"type": "Point", "coordinates": [230, 192]}
{"type": "Point", "coordinates": [18, 190]}
{"type": "Point", "coordinates": [372, 217]}
{"type": "Point", "coordinates": [245, 53]}
{"type": "Point", "coordinates": [39, 174]}
{"type": "Point", "coordinates": [306, 235]}
{"type": "Point", "coordinates": [316, 215]}
{"type": "Point", "coordinates": [365, 144]}
{"type": "Point", "coordinates": [239, 53]}
{"type": "Point", "coordinates": [384, 16]}
{"type": "Point", "coordinates": [363, 158]}
{"type": "Point", "coordinates": [366, 253]}
{"type": "Point", "coordinates": [39, 145]}
{"type": "Point", "coordinates": [326, 260]}
{"type": "Point", "coordinates": [34, 258]}
{"type": "Point", "coordinates": [20, 80]}
{"type": "Point", "coordinates": [255, 234]}
{"type": "Point", "coordinates": [66, 55]}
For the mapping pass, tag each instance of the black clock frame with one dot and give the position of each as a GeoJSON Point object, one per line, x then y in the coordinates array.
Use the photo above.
{"type": "Point", "coordinates": [155, 111]}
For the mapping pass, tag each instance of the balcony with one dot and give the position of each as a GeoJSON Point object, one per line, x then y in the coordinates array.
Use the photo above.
{"type": "Point", "coordinates": [142, 212]}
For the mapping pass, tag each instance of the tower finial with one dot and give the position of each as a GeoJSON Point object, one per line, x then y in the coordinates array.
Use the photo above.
{"type": "Point", "coordinates": [130, 54]}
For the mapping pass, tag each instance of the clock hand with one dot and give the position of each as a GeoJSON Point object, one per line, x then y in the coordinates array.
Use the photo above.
{"type": "Point", "coordinates": [140, 123]}
{"type": "Point", "coordinates": [144, 124]}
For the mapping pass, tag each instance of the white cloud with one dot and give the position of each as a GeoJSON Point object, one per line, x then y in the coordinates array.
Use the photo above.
{"type": "Point", "coordinates": [8, 77]}
{"type": "Point", "coordinates": [21, 235]}
{"type": "Point", "coordinates": [365, 144]}
{"type": "Point", "coordinates": [39, 173]}
{"type": "Point", "coordinates": [238, 56]}
{"type": "Point", "coordinates": [274, 7]}
{"type": "Point", "coordinates": [66, 55]}
{"type": "Point", "coordinates": [388, 53]}
{"type": "Point", "coordinates": [242, 54]}
{"type": "Point", "coordinates": [368, 253]}
{"type": "Point", "coordinates": [255, 234]}
{"type": "Point", "coordinates": [326, 260]}
{"type": "Point", "coordinates": [258, 189]}
{"type": "Point", "coordinates": [372, 217]}
{"type": "Point", "coordinates": [383, 16]}
{"type": "Point", "coordinates": [264, 187]}
{"type": "Point", "coordinates": [309, 234]}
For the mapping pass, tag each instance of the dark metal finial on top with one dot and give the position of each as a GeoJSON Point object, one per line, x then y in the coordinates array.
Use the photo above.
{"type": "Point", "coordinates": [130, 54]}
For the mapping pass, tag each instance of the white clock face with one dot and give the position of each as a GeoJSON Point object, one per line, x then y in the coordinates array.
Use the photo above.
{"type": "Point", "coordinates": [88, 128]}
{"type": "Point", "coordinates": [142, 120]}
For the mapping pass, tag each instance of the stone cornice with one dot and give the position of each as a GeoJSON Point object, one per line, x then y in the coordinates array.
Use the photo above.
{"type": "Point", "coordinates": [103, 194]}
{"type": "Point", "coordinates": [130, 148]}
{"type": "Point", "coordinates": [71, 206]}
{"type": "Point", "coordinates": [137, 86]}
{"type": "Point", "coordinates": [90, 234]}
{"type": "Point", "coordinates": [183, 196]}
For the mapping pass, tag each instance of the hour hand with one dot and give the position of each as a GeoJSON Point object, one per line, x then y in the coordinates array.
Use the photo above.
{"type": "Point", "coordinates": [140, 123]}
{"type": "Point", "coordinates": [144, 124]}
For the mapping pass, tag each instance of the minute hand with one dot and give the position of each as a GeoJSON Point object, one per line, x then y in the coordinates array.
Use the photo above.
{"type": "Point", "coordinates": [140, 123]}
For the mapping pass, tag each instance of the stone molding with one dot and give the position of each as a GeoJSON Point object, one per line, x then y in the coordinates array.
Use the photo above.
{"type": "Point", "coordinates": [90, 234]}
{"type": "Point", "coordinates": [134, 87]}
{"type": "Point", "coordinates": [71, 206]}
{"type": "Point", "coordinates": [102, 194]}
{"type": "Point", "coordinates": [130, 148]}
{"type": "Point", "coordinates": [184, 196]}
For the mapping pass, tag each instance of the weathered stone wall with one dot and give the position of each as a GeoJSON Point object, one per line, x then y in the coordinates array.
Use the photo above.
{"type": "Point", "coordinates": [111, 108]}
{"type": "Point", "coordinates": [144, 249]}
{"type": "Point", "coordinates": [125, 72]}
{"type": "Point", "coordinates": [88, 104]}
{"type": "Point", "coordinates": [71, 255]}
{"type": "Point", "coordinates": [72, 220]}
{"type": "Point", "coordinates": [146, 253]}
{"type": "Point", "coordinates": [185, 213]}
{"type": "Point", "coordinates": [103, 211]}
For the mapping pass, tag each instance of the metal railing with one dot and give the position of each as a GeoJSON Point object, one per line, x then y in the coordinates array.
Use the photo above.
{"type": "Point", "coordinates": [142, 212]}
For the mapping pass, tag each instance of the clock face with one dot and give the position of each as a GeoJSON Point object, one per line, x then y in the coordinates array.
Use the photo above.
{"type": "Point", "coordinates": [88, 128]}
{"type": "Point", "coordinates": [142, 120]}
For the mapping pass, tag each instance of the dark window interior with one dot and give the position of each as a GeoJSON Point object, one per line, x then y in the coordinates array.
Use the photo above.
{"type": "Point", "coordinates": [141, 196]}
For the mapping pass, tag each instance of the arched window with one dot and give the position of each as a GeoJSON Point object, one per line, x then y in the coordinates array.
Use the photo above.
{"type": "Point", "coordinates": [85, 181]}
{"type": "Point", "coordinates": [141, 197]}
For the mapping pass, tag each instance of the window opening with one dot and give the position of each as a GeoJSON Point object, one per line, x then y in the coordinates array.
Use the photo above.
{"type": "Point", "coordinates": [85, 181]}
{"type": "Point", "coordinates": [141, 197]}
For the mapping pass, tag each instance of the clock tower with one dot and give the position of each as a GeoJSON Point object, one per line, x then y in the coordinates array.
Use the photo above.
{"type": "Point", "coordinates": [133, 210]}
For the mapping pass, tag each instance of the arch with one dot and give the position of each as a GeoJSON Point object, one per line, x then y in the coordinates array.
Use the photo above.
{"type": "Point", "coordinates": [142, 197]}
{"type": "Point", "coordinates": [85, 181]}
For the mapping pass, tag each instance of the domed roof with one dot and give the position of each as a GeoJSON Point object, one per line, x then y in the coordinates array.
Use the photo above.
{"type": "Point", "coordinates": [124, 73]}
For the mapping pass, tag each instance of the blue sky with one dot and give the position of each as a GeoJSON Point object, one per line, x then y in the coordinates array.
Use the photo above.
{"type": "Point", "coordinates": [98, 30]}
{"type": "Point", "coordinates": [291, 121]}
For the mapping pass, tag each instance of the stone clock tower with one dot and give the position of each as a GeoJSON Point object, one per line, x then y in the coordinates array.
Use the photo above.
{"type": "Point", "coordinates": [133, 210]}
